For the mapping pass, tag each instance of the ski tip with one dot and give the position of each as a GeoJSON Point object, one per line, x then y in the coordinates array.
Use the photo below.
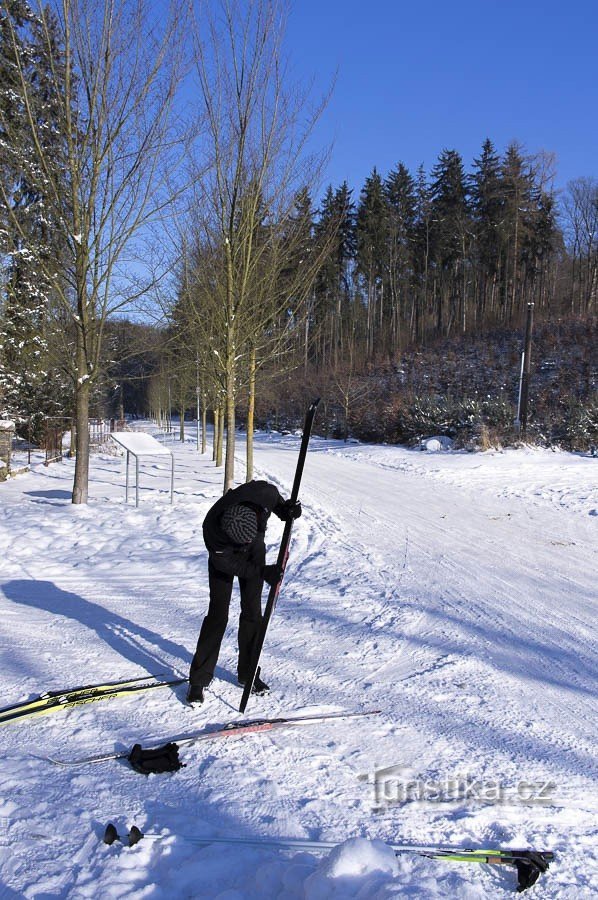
{"type": "Point", "coordinates": [55, 762]}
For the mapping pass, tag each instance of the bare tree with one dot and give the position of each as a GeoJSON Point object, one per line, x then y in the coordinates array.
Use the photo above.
{"type": "Point", "coordinates": [116, 70]}
{"type": "Point", "coordinates": [580, 206]}
{"type": "Point", "coordinates": [256, 133]}
{"type": "Point", "coordinates": [194, 322]}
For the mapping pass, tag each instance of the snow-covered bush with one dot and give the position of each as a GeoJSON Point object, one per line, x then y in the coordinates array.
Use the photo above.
{"type": "Point", "coordinates": [470, 422]}
{"type": "Point", "coordinates": [577, 427]}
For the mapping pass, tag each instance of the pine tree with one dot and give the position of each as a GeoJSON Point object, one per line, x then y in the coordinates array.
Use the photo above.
{"type": "Point", "coordinates": [517, 184]}
{"type": "Point", "coordinates": [422, 256]}
{"type": "Point", "coordinates": [333, 304]}
{"type": "Point", "coordinates": [371, 234]}
{"type": "Point", "coordinates": [301, 250]}
{"type": "Point", "coordinates": [400, 192]}
{"type": "Point", "coordinates": [450, 236]}
{"type": "Point", "coordinates": [30, 379]}
{"type": "Point", "coordinates": [488, 210]}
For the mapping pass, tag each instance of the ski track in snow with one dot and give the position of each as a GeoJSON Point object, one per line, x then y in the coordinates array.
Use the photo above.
{"type": "Point", "coordinates": [453, 592]}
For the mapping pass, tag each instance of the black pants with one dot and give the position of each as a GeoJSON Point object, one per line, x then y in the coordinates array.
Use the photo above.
{"type": "Point", "coordinates": [215, 622]}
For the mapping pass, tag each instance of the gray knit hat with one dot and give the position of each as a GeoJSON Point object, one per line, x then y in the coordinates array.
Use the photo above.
{"type": "Point", "coordinates": [239, 523]}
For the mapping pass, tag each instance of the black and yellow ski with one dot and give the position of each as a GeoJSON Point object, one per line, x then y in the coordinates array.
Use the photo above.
{"type": "Point", "coordinates": [91, 693]}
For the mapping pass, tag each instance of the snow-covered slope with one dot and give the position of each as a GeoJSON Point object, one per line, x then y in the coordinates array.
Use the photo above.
{"type": "Point", "coordinates": [456, 593]}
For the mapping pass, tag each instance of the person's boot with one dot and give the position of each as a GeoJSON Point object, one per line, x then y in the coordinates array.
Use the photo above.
{"type": "Point", "coordinates": [195, 695]}
{"type": "Point", "coordinates": [259, 686]}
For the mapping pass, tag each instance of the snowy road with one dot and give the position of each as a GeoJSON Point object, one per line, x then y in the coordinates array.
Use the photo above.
{"type": "Point", "coordinates": [475, 612]}
{"type": "Point", "coordinates": [455, 593]}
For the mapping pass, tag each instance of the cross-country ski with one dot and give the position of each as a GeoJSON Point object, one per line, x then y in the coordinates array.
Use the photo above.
{"type": "Point", "coordinates": [53, 701]}
{"type": "Point", "coordinates": [230, 730]}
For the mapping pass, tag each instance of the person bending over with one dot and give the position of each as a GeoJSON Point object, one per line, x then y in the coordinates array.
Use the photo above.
{"type": "Point", "coordinates": [234, 533]}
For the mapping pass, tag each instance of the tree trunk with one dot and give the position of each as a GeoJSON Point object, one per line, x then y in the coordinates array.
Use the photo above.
{"type": "Point", "coordinates": [216, 431]}
{"type": "Point", "coordinates": [231, 370]}
{"type": "Point", "coordinates": [229, 461]}
{"type": "Point", "coordinates": [250, 417]}
{"type": "Point", "coordinates": [80, 485]}
{"type": "Point", "coordinates": [346, 410]}
{"type": "Point", "coordinates": [220, 436]}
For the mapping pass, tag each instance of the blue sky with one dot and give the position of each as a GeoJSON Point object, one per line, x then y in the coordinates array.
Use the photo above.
{"type": "Point", "coordinates": [413, 78]}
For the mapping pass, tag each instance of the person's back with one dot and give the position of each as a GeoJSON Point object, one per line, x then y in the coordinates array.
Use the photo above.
{"type": "Point", "coordinates": [234, 531]}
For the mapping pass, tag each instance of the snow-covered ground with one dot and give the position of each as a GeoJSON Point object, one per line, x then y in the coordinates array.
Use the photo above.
{"type": "Point", "coordinates": [454, 592]}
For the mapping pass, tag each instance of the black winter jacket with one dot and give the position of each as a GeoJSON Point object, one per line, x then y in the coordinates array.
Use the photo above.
{"type": "Point", "coordinates": [226, 556]}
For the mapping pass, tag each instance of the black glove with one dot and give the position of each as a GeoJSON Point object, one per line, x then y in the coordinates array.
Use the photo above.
{"type": "Point", "coordinates": [272, 574]}
{"type": "Point", "coordinates": [529, 869]}
{"type": "Point", "coordinates": [290, 509]}
{"type": "Point", "coordinates": [161, 759]}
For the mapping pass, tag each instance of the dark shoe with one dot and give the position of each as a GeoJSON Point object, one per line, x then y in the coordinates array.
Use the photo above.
{"type": "Point", "coordinates": [195, 696]}
{"type": "Point", "coordinates": [259, 686]}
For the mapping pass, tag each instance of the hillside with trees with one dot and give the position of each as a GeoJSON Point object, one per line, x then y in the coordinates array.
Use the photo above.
{"type": "Point", "coordinates": [414, 322]}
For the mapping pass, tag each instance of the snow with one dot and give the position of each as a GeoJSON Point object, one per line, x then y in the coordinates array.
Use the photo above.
{"type": "Point", "coordinates": [140, 444]}
{"type": "Point", "coordinates": [435, 444]}
{"type": "Point", "coordinates": [453, 591]}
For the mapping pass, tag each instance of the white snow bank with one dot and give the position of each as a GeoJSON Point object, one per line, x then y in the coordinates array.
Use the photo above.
{"type": "Point", "coordinates": [360, 869]}
{"type": "Point", "coordinates": [434, 444]}
{"type": "Point", "coordinates": [357, 868]}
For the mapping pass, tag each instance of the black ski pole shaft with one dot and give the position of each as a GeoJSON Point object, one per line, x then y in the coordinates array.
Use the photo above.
{"type": "Point", "coordinates": [283, 554]}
